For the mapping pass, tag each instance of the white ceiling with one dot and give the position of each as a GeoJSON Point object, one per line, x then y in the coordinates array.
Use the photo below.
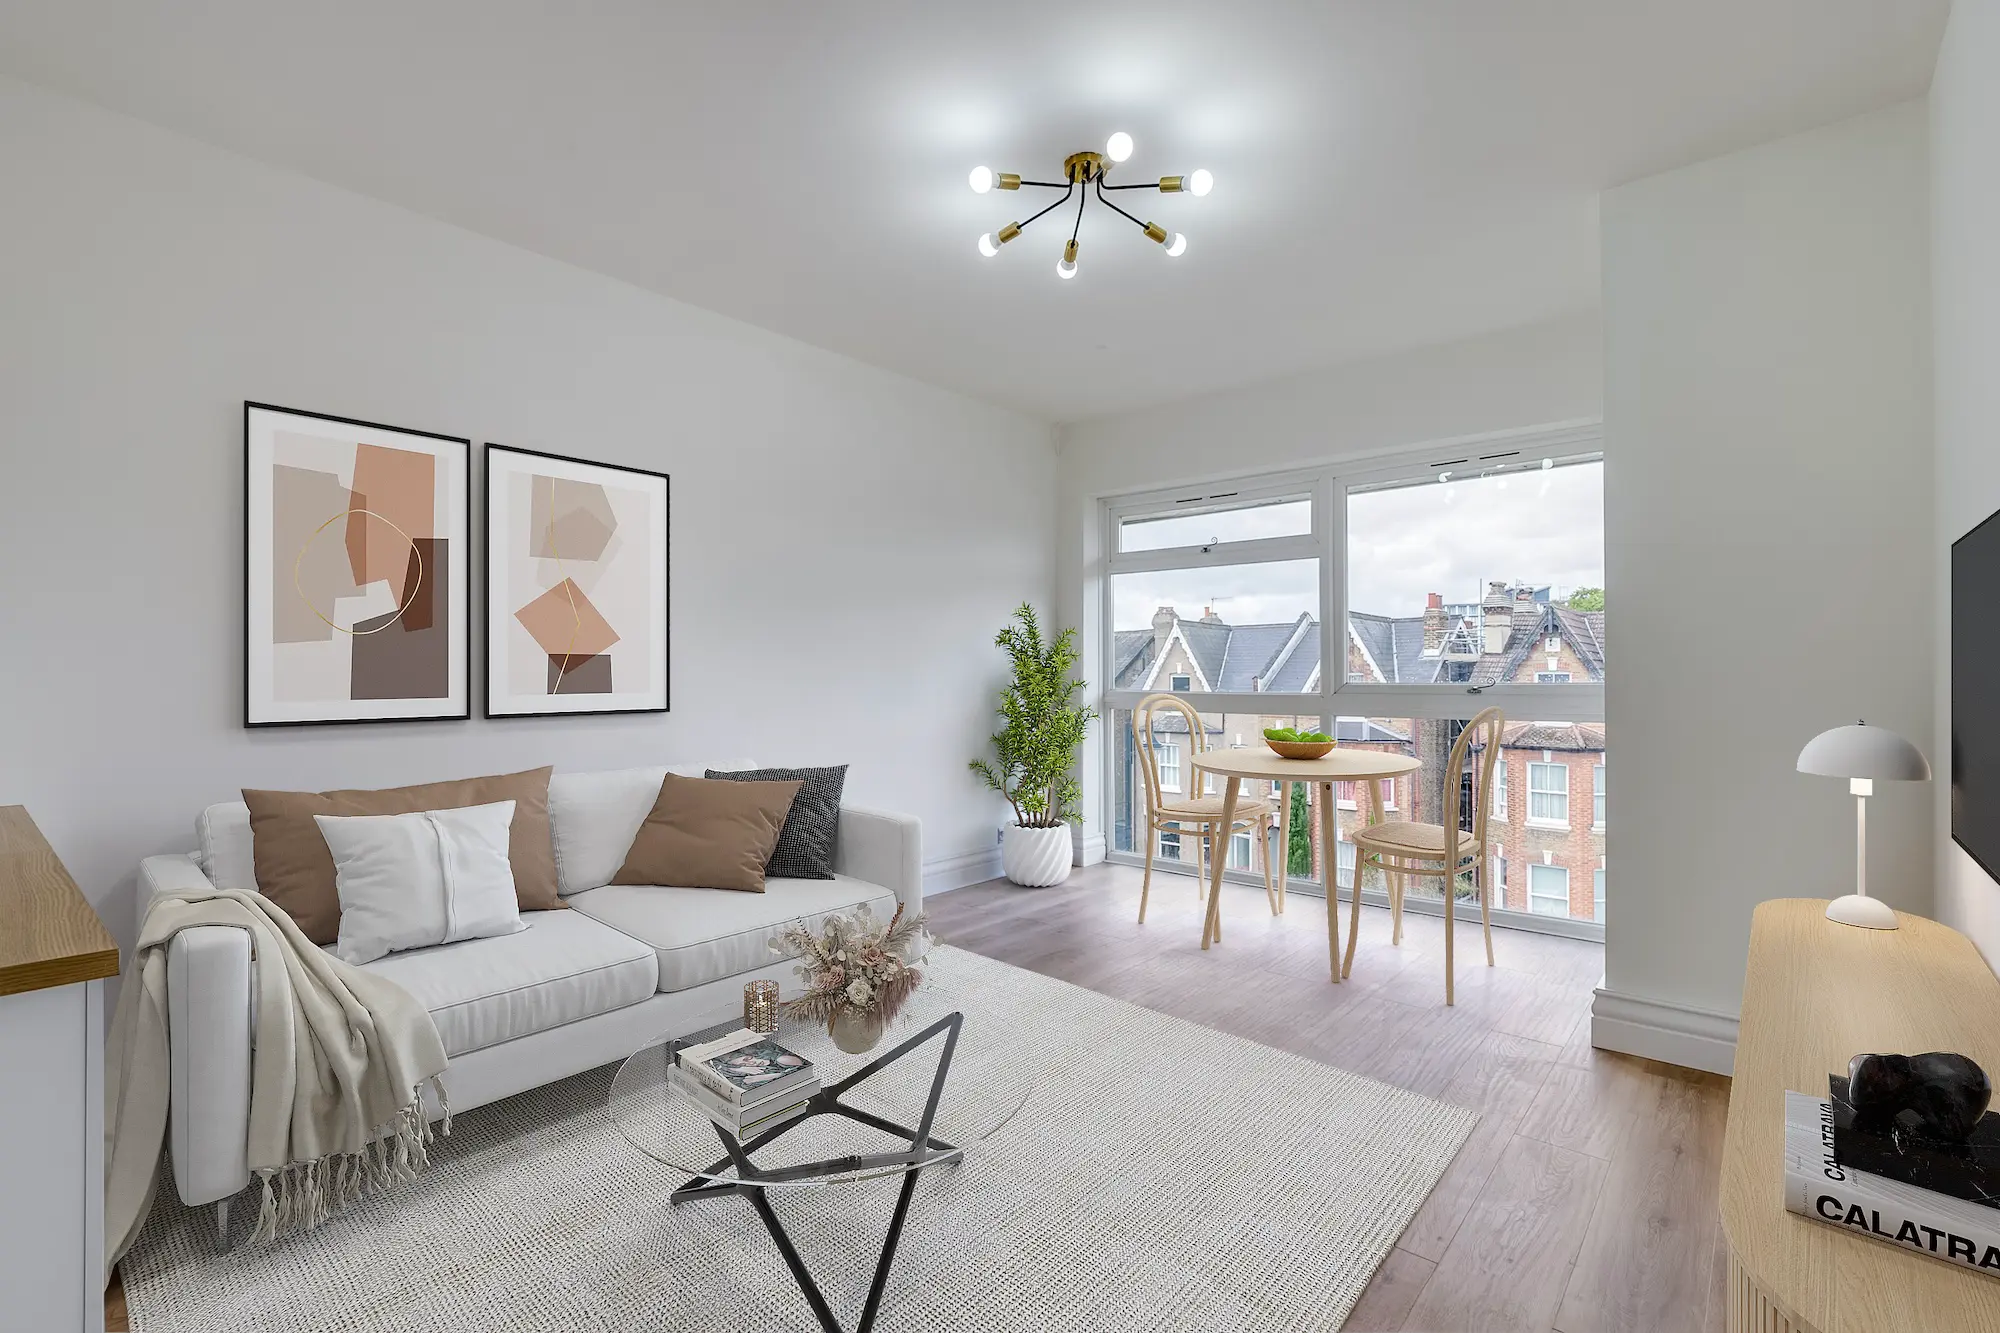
{"type": "Point", "coordinates": [1388, 173]}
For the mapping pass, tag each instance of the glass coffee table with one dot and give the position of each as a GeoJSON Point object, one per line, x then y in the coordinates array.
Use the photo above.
{"type": "Point", "coordinates": [924, 1097]}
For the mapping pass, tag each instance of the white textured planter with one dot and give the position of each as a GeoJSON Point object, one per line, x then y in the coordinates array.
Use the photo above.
{"type": "Point", "coordinates": [1035, 858]}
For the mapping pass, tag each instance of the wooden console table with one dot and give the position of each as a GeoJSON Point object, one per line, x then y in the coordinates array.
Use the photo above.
{"type": "Point", "coordinates": [1815, 994]}
{"type": "Point", "coordinates": [54, 956]}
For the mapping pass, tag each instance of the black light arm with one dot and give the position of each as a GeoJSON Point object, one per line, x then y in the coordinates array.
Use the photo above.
{"type": "Point", "coordinates": [1067, 191]}
{"type": "Point", "coordinates": [1102, 187]}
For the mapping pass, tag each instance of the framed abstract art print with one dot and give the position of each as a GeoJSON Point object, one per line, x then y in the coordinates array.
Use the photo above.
{"type": "Point", "coordinates": [576, 586]}
{"type": "Point", "coordinates": [355, 555]}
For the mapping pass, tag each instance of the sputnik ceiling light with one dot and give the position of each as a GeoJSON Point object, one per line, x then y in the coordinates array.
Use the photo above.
{"type": "Point", "coordinates": [1084, 172]}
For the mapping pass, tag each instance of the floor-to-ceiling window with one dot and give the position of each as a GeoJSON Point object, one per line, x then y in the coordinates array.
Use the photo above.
{"type": "Point", "coordinates": [1435, 587]}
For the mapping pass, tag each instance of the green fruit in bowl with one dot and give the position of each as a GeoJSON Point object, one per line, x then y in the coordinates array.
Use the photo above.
{"type": "Point", "coordinates": [1280, 734]}
{"type": "Point", "coordinates": [1317, 737]}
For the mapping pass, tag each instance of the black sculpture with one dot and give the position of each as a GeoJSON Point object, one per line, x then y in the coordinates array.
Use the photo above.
{"type": "Point", "coordinates": [1920, 1119]}
{"type": "Point", "coordinates": [1937, 1096]}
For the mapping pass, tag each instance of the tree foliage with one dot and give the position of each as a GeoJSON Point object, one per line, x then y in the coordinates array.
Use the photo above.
{"type": "Point", "coordinates": [1299, 854]}
{"type": "Point", "coordinates": [1586, 599]}
{"type": "Point", "coordinates": [1042, 726]}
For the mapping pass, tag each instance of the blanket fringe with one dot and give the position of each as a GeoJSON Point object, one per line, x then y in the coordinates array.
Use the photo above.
{"type": "Point", "coordinates": [305, 1194]}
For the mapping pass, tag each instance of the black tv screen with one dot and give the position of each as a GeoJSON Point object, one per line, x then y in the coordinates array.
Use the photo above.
{"type": "Point", "coordinates": [1975, 694]}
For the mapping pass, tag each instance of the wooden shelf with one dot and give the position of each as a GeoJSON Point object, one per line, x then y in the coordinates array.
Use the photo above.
{"type": "Point", "coordinates": [49, 933]}
{"type": "Point", "coordinates": [1815, 994]}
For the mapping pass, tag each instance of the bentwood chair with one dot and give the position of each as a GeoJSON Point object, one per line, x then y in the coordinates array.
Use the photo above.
{"type": "Point", "coordinates": [1182, 813]}
{"type": "Point", "coordinates": [1402, 848]}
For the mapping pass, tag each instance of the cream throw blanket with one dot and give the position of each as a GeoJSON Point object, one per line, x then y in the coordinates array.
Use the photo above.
{"type": "Point", "coordinates": [336, 1080]}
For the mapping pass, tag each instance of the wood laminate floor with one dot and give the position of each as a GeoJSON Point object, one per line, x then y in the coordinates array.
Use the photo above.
{"type": "Point", "coordinates": [1585, 1200]}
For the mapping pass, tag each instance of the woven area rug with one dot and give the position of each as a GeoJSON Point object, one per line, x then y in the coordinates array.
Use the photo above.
{"type": "Point", "coordinates": [1162, 1176]}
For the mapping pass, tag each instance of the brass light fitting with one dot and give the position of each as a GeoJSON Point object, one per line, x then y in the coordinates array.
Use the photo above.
{"type": "Point", "coordinates": [1084, 173]}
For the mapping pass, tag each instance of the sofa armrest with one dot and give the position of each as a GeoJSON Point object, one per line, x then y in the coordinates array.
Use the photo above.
{"type": "Point", "coordinates": [161, 875]}
{"type": "Point", "coordinates": [885, 849]}
{"type": "Point", "coordinates": [208, 1042]}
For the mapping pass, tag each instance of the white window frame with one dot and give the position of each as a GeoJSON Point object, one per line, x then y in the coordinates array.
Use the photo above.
{"type": "Point", "coordinates": [1597, 894]}
{"type": "Point", "coordinates": [1548, 821]}
{"type": "Point", "coordinates": [1165, 834]}
{"type": "Point", "coordinates": [1168, 755]}
{"type": "Point", "coordinates": [1179, 682]}
{"type": "Point", "coordinates": [1496, 805]}
{"type": "Point", "coordinates": [1344, 859]}
{"type": "Point", "coordinates": [1546, 895]}
{"type": "Point", "coordinates": [1597, 797]}
{"type": "Point", "coordinates": [1552, 678]}
{"type": "Point", "coordinates": [1244, 841]}
{"type": "Point", "coordinates": [1332, 695]}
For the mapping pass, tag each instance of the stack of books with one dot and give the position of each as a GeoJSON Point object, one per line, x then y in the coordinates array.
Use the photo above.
{"type": "Point", "coordinates": [745, 1082]}
{"type": "Point", "coordinates": [1818, 1186]}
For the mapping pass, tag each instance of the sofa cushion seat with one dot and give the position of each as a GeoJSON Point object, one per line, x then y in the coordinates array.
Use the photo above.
{"type": "Point", "coordinates": [703, 935]}
{"type": "Point", "coordinates": [561, 968]}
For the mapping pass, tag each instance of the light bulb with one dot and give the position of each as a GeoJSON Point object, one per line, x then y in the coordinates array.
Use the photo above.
{"type": "Point", "coordinates": [1200, 183]}
{"type": "Point", "coordinates": [986, 246]}
{"type": "Point", "coordinates": [1118, 147]}
{"type": "Point", "coordinates": [1065, 268]}
{"type": "Point", "coordinates": [981, 179]}
{"type": "Point", "coordinates": [1177, 246]}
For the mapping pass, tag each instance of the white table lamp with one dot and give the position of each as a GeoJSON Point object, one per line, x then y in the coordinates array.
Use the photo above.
{"type": "Point", "coordinates": [1861, 754]}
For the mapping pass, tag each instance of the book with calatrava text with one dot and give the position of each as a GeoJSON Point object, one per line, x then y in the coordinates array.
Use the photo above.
{"type": "Point", "coordinates": [1923, 1221]}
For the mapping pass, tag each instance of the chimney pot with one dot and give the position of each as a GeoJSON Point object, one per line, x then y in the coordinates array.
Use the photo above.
{"type": "Point", "coordinates": [1434, 599]}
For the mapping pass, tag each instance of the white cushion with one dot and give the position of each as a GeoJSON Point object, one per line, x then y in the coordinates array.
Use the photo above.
{"type": "Point", "coordinates": [703, 935]}
{"type": "Point", "coordinates": [562, 968]}
{"type": "Point", "coordinates": [225, 855]}
{"type": "Point", "coordinates": [593, 818]}
{"type": "Point", "coordinates": [429, 877]}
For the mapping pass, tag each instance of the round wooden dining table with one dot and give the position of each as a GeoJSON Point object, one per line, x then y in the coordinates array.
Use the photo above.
{"type": "Point", "coordinates": [1337, 765]}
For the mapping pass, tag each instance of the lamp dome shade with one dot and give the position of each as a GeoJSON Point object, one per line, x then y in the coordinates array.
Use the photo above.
{"type": "Point", "coordinates": [1862, 751]}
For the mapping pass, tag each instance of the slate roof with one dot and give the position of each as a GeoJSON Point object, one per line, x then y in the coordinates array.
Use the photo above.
{"type": "Point", "coordinates": [1131, 654]}
{"type": "Point", "coordinates": [1236, 659]}
{"type": "Point", "coordinates": [1396, 643]}
{"type": "Point", "coordinates": [1571, 736]}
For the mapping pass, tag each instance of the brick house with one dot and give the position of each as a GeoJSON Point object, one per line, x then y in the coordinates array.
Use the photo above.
{"type": "Point", "coordinates": [1547, 824]}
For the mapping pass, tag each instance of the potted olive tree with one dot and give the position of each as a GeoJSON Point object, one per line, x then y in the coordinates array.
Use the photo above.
{"type": "Point", "coordinates": [1042, 728]}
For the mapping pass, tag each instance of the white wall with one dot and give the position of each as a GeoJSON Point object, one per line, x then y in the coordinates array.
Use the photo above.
{"type": "Point", "coordinates": [1768, 510]}
{"type": "Point", "coordinates": [1538, 375]}
{"type": "Point", "coordinates": [1965, 284]}
{"type": "Point", "coordinates": [844, 542]}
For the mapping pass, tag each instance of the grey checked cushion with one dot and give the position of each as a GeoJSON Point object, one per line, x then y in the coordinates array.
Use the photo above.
{"type": "Point", "coordinates": [805, 843]}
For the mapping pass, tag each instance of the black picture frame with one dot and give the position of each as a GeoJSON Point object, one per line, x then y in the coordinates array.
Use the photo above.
{"type": "Point", "coordinates": [251, 719]}
{"type": "Point", "coordinates": [488, 591]}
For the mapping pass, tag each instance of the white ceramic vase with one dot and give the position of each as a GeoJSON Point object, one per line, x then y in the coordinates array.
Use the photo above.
{"type": "Point", "coordinates": [1035, 858]}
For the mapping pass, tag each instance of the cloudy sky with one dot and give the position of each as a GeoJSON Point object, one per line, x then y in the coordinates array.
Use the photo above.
{"type": "Point", "coordinates": [1530, 528]}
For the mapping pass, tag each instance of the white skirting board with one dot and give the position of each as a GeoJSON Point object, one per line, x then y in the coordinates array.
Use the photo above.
{"type": "Point", "coordinates": [1660, 1030]}
{"type": "Point", "coordinates": [942, 874]}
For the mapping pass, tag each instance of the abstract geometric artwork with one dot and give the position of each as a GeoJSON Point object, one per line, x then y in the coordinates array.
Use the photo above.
{"type": "Point", "coordinates": [576, 586]}
{"type": "Point", "coordinates": [355, 548]}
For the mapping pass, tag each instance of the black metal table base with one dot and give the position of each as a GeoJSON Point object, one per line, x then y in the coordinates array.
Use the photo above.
{"type": "Point", "coordinates": [754, 1182]}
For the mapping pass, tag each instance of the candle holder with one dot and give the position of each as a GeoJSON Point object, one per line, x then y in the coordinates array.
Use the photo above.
{"type": "Point", "coordinates": [760, 1006]}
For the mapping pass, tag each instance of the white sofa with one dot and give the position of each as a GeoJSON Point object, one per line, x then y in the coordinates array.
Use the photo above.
{"type": "Point", "coordinates": [575, 990]}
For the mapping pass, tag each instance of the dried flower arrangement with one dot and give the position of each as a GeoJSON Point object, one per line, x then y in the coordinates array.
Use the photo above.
{"type": "Point", "coordinates": [855, 963]}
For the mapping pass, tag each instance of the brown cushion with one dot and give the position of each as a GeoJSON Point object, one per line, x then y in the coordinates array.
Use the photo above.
{"type": "Point", "coordinates": [295, 870]}
{"type": "Point", "coordinates": [705, 834]}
